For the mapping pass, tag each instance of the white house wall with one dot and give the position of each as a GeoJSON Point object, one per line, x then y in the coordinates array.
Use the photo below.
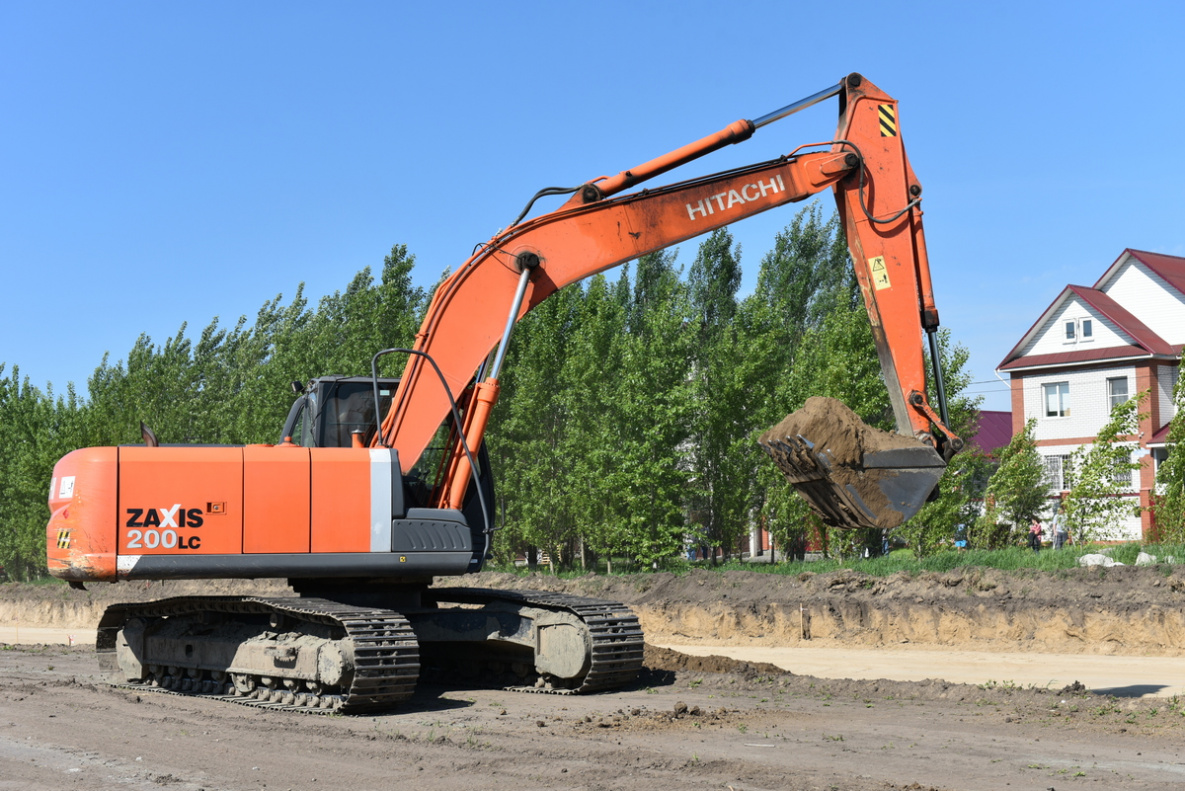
{"type": "Point", "coordinates": [1126, 529]}
{"type": "Point", "coordinates": [1089, 405]}
{"type": "Point", "coordinates": [1051, 339]}
{"type": "Point", "coordinates": [1145, 295]}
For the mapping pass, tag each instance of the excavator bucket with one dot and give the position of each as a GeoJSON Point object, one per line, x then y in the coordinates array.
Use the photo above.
{"type": "Point", "coordinates": [852, 475]}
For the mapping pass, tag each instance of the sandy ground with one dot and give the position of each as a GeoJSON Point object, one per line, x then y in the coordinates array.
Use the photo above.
{"type": "Point", "coordinates": [1125, 676]}
{"type": "Point", "coordinates": [17, 634]}
{"type": "Point", "coordinates": [688, 722]}
{"type": "Point", "coordinates": [61, 728]}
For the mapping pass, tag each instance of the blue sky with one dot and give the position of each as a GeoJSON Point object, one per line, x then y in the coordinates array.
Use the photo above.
{"type": "Point", "coordinates": [170, 162]}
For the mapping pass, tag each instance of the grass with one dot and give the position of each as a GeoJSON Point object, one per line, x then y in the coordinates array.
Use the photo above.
{"type": "Point", "coordinates": [903, 560]}
{"type": "Point", "coordinates": [898, 561]}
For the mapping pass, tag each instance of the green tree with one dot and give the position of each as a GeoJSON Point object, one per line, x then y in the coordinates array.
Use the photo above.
{"type": "Point", "coordinates": [1169, 503]}
{"type": "Point", "coordinates": [36, 429]}
{"type": "Point", "coordinates": [955, 512]}
{"type": "Point", "coordinates": [719, 459]}
{"type": "Point", "coordinates": [653, 406]}
{"type": "Point", "coordinates": [529, 437]}
{"type": "Point", "coordinates": [963, 483]}
{"type": "Point", "coordinates": [593, 365]}
{"type": "Point", "coordinates": [1016, 493]}
{"type": "Point", "coordinates": [1102, 474]}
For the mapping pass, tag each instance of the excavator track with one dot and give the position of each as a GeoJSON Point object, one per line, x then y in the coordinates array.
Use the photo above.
{"type": "Point", "coordinates": [615, 636]}
{"type": "Point", "coordinates": [384, 654]}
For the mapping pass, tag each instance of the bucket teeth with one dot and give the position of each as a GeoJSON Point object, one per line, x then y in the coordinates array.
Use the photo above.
{"type": "Point", "coordinates": [884, 490]}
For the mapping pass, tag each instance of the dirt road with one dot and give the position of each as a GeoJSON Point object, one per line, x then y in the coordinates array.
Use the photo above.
{"type": "Point", "coordinates": [1124, 676]}
{"type": "Point", "coordinates": [60, 729]}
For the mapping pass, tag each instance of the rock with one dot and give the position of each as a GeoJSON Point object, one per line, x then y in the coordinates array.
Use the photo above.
{"type": "Point", "coordinates": [1098, 560]}
{"type": "Point", "coordinates": [1144, 559]}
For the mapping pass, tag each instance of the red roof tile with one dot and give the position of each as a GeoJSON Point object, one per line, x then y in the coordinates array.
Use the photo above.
{"type": "Point", "coordinates": [1160, 437]}
{"type": "Point", "coordinates": [1170, 268]}
{"type": "Point", "coordinates": [1077, 356]}
{"type": "Point", "coordinates": [993, 431]}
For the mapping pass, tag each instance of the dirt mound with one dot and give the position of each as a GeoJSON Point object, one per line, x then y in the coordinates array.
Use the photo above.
{"type": "Point", "coordinates": [656, 658]}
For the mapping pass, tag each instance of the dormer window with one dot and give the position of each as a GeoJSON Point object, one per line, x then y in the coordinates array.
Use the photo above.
{"type": "Point", "coordinates": [1078, 330]}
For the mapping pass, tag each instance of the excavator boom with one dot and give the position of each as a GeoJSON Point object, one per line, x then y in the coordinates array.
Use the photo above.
{"type": "Point", "coordinates": [878, 198]}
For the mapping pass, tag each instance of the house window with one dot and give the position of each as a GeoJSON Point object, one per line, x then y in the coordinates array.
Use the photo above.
{"type": "Point", "coordinates": [1116, 391]}
{"type": "Point", "coordinates": [1057, 473]}
{"type": "Point", "coordinates": [1057, 399]}
{"type": "Point", "coordinates": [1122, 474]}
{"type": "Point", "coordinates": [1159, 456]}
{"type": "Point", "coordinates": [1079, 330]}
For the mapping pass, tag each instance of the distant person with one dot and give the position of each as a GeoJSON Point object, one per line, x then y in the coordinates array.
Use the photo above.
{"type": "Point", "coordinates": [1035, 536]}
{"type": "Point", "coordinates": [1060, 531]}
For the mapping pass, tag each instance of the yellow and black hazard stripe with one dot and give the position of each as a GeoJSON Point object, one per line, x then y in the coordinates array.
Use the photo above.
{"type": "Point", "coordinates": [888, 116]}
{"type": "Point", "coordinates": [63, 539]}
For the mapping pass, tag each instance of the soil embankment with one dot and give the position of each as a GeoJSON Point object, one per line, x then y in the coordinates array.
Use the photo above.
{"type": "Point", "coordinates": [1121, 610]}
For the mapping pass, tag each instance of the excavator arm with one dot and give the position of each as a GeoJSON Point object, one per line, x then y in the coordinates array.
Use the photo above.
{"type": "Point", "coordinates": [469, 321]}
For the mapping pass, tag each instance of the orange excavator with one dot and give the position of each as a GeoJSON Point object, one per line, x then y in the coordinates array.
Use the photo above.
{"type": "Point", "coordinates": [379, 485]}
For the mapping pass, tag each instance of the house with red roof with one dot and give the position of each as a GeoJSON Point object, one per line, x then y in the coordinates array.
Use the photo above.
{"type": "Point", "coordinates": [1095, 347]}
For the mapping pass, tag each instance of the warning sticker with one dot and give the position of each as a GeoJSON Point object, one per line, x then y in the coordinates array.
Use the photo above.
{"type": "Point", "coordinates": [879, 272]}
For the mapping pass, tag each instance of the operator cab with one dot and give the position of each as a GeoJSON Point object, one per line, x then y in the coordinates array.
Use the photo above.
{"type": "Point", "coordinates": [339, 412]}
{"type": "Point", "coordinates": [331, 409]}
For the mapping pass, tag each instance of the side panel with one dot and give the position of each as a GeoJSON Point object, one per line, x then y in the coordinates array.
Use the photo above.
{"type": "Point", "coordinates": [80, 536]}
{"type": "Point", "coordinates": [180, 500]}
{"type": "Point", "coordinates": [276, 481]}
{"type": "Point", "coordinates": [340, 504]}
